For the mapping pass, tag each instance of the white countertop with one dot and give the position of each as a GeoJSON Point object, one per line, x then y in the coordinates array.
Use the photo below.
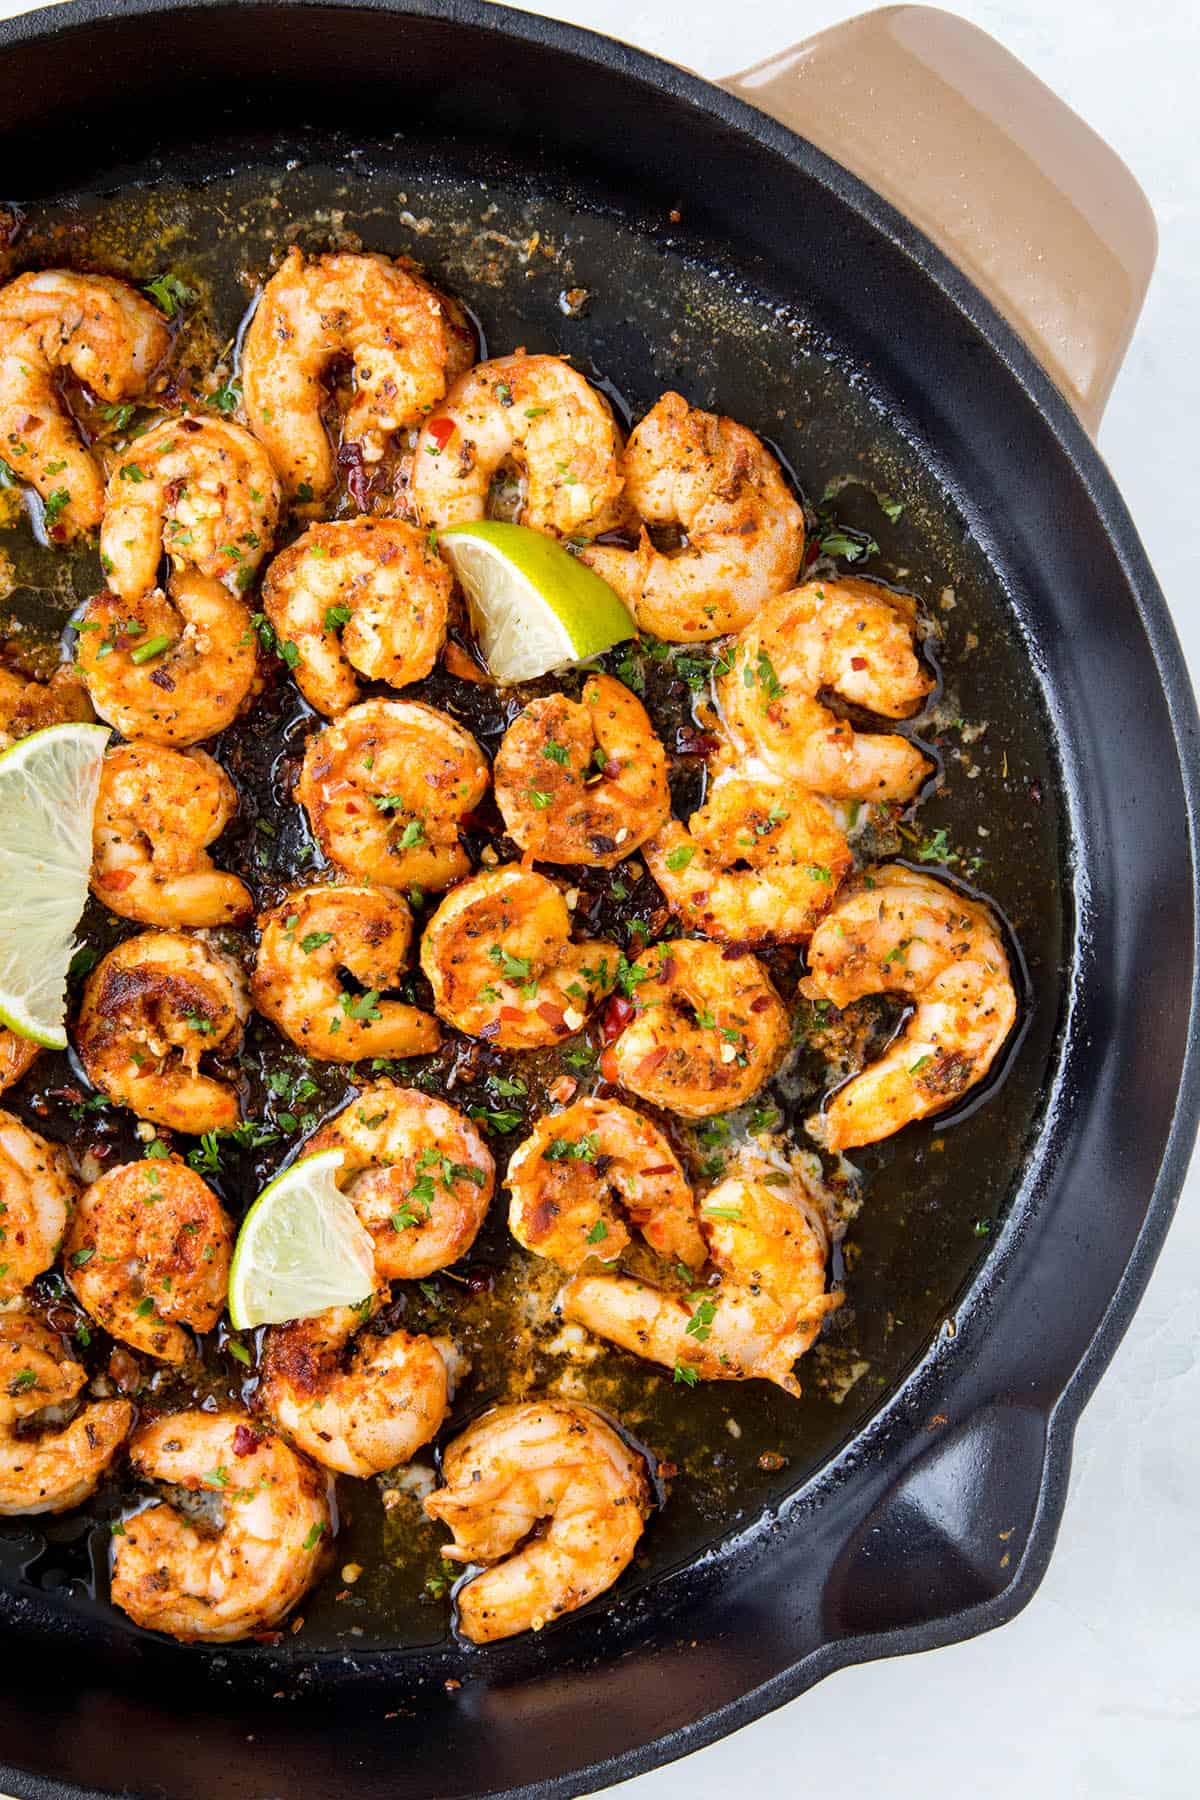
{"type": "Point", "coordinates": [1094, 1692]}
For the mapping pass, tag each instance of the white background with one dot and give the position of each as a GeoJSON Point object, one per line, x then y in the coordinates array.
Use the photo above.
{"type": "Point", "coordinates": [1094, 1692]}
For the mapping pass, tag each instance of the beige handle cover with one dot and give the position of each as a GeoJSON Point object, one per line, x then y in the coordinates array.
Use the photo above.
{"type": "Point", "coordinates": [1007, 181]}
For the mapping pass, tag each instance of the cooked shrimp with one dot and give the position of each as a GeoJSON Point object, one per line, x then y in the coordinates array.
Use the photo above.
{"type": "Point", "coordinates": [759, 862]}
{"type": "Point", "coordinates": [365, 594]}
{"type": "Point", "coordinates": [172, 670]}
{"type": "Point", "coordinates": [856, 640]}
{"type": "Point", "coordinates": [904, 933]}
{"type": "Point", "coordinates": [352, 1400]}
{"type": "Point", "coordinates": [27, 706]}
{"type": "Point", "coordinates": [406, 341]}
{"type": "Point", "coordinates": [548, 1495]}
{"type": "Point", "coordinates": [499, 956]}
{"type": "Point", "coordinates": [156, 814]}
{"type": "Point", "coordinates": [745, 529]}
{"type": "Point", "coordinates": [584, 1172]}
{"type": "Point", "coordinates": [147, 1253]}
{"type": "Point", "coordinates": [151, 1009]}
{"type": "Point", "coordinates": [37, 1189]}
{"type": "Point", "coordinates": [534, 413]}
{"type": "Point", "coordinates": [46, 1465]}
{"type": "Point", "coordinates": [417, 1173]}
{"type": "Point", "coordinates": [583, 781]}
{"type": "Point", "coordinates": [110, 338]}
{"type": "Point", "coordinates": [307, 941]}
{"type": "Point", "coordinates": [201, 491]}
{"type": "Point", "coordinates": [208, 1586]}
{"type": "Point", "coordinates": [387, 788]}
{"type": "Point", "coordinates": [770, 1246]}
{"type": "Point", "coordinates": [708, 1029]}
{"type": "Point", "coordinates": [17, 1055]}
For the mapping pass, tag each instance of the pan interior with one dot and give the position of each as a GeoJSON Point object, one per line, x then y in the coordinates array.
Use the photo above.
{"type": "Point", "coordinates": [644, 301]}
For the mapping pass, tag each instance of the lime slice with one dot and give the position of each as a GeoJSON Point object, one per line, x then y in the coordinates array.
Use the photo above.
{"type": "Point", "coordinates": [48, 787]}
{"type": "Point", "coordinates": [534, 606]}
{"type": "Point", "coordinates": [301, 1249]}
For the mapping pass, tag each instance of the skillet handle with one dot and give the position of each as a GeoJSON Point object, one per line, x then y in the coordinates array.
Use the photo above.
{"type": "Point", "coordinates": [1006, 180]}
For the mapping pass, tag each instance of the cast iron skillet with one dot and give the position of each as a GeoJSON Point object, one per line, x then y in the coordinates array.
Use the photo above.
{"type": "Point", "coordinates": [931, 1512]}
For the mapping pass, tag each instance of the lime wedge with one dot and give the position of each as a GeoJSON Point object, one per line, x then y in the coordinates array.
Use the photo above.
{"type": "Point", "coordinates": [48, 787]}
{"type": "Point", "coordinates": [534, 606]}
{"type": "Point", "coordinates": [300, 1250]}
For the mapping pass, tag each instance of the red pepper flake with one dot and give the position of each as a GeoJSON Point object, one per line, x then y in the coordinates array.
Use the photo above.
{"type": "Point", "coordinates": [608, 1067]}
{"type": "Point", "coordinates": [245, 1441]}
{"type": "Point", "coordinates": [649, 1063]}
{"type": "Point", "coordinates": [116, 880]}
{"type": "Point", "coordinates": [459, 663]}
{"type": "Point", "coordinates": [760, 1003]}
{"type": "Point", "coordinates": [441, 431]}
{"type": "Point", "coordinates": [562, 1090]}
{"type": "Point", "coordinates": [658, 1169]}
{"type": "Point", "coordinates": [617, 1015]}
{"type": "Point", "coordinates": [552, 1015]}
{"type": "Point", "coordinates": [858, 662]}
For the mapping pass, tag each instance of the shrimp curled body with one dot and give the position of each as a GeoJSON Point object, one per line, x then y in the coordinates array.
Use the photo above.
{"type": "Point", "coordinates": [156, 814]}
{"type": "Point", "coordinates": [36, 1190]}
{"type": "Point", "coordinates": [908, 934]}
{"type": "Point", "coordinates": [214, 1586]}
{"type": "Point", "coordinates": [48, 1467]}
{"type": "Point", "coordinates": [551, 1464]}
{"type": "Point", "coordinates": [151, 1009]}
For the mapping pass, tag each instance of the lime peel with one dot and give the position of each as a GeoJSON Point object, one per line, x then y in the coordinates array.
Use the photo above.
{"type": "Point", "coordinates": [301, 1249]}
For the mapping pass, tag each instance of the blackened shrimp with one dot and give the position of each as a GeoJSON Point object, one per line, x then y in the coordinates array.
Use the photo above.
{"type": "Point", "coordinates": [37, 1189]}
{"type": "Point", "coordinates": [157, 812]}
{"type": "Point", "coordinates": [53, 1452]}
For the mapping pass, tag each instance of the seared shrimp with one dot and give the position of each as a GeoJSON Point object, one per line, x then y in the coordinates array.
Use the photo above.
{"type": "Point", "coordinates": [499, 957]}
{"type": "Point", "coordinates": [110, 338]}
{"type": "Point", "coordinates": [172, 670]}
{"type": "Point", "coordinates": [759, 862]}
{"type": "Point", "coordinates": [534, 413]}
{"type": "Point", "coordinates": [585, 1174]}
{"type": "Point", "coordinates": [417, 1173]}
{"type": "Point", "coordinates": [157, 812]}
{"type": "Point", "coordinates": [849, 637]}
{"type": "Point", "coordinates": [27, 706]}
{"type": "Point", "coordinates": [387, 788]}
{"type": "Point", "coordinates": [353, 1400]}
{"type": "Point", "coordinates": [904, 933]}
{"type": "Point", "coordinates": [147, 1253]}
{"type": "Point", "coordinates": [151, 1009]}
{"type": "Point", "coordinates": [307, 941]}
{"type": "Point", "coordinates": [37, 1189]}
{"type": "Point", "coordinates": [206, 1585]}
{"type": "Point", "coordinates": [583, 781]}
{"type": "Point", "coordinates": [46, 1465]}
{"type": "Point", "coordinates": [200, 491]}
{"type": "Point", "coordinates": [708, 1030]}
{"type": "Point", "coordinates": [17, 1054]}
{"type": "Point", "coordinates": [365, 594]}
{"type": "Point", "coordinates": [548, 1495]}
{"type": "Point", "coordinates": [770, 1246]}
{"type": "Point", "coordinates": [406, 340]}
{"type": "Point", "coordinates": [745, 529]}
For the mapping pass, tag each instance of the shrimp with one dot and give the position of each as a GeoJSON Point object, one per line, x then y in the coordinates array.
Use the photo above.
{"type": "Point", "coordinates": [534, 412]}
{"type": "Point", "coordinates": [211, 1586]}
{"type": "Point", "coordinates": [170, 668]}
{"type": "Point", "coordinates": [744, 528]}
{"type": "Point", "coordinates": [770, 1245]}
{"type": "Point", "coordinates": [583, 1172]}
{"type": "Point", "coordinates": [17, 1055]}
{"type": "Point", "coordinates": [27, 706]}
{"type": "Point", "coordinates": [156, 814]}
{"type": "Point", "coordinates": [151, 1009]}
{"type": "Point", "coordinates": [37, 1189]}
{"type": "Point", "coordinates": [850, 637]}
{"type": "Point", "coordinates": [405, 339]}
{"type": "Point", "coordinates": [378, 584]}
{"type": "Point", "coordinates": [48, 1465]}
{"type": "Point", "coordinates": [548, 1495]}
{"type": "Point", "coordinates": [417, 1173]}
{"type": "Point", "coordinates": [706, 1031]}
{"type": "Point", "coordinates": [901, 932]}
{"type": "Point", "coordinates": [759, 862]}
{"type": "Point", "coordinates": [499, 956]}
{"type": "Point", "coordinates": [110, 338]}
{"type": "Point", "coordinates": [354, 1401]}
{"type": "Point", "coordinates": [147, 1253]}
{"type": "Point", "coordinates": [307, 941]}
{"type": "Point", "coordinates": [583, 781]}
{"type": "Point", "coordinates": [202, 491]}
{"type": "Point", "coordinates": [387, 788]}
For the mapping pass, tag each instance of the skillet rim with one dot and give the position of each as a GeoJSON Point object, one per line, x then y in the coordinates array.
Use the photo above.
{"type": "Point", "coordinates": [1112, 516]}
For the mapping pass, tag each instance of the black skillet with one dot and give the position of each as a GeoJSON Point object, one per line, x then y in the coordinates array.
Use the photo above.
{"type": "Point", "coordinates": [999, 1257]}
